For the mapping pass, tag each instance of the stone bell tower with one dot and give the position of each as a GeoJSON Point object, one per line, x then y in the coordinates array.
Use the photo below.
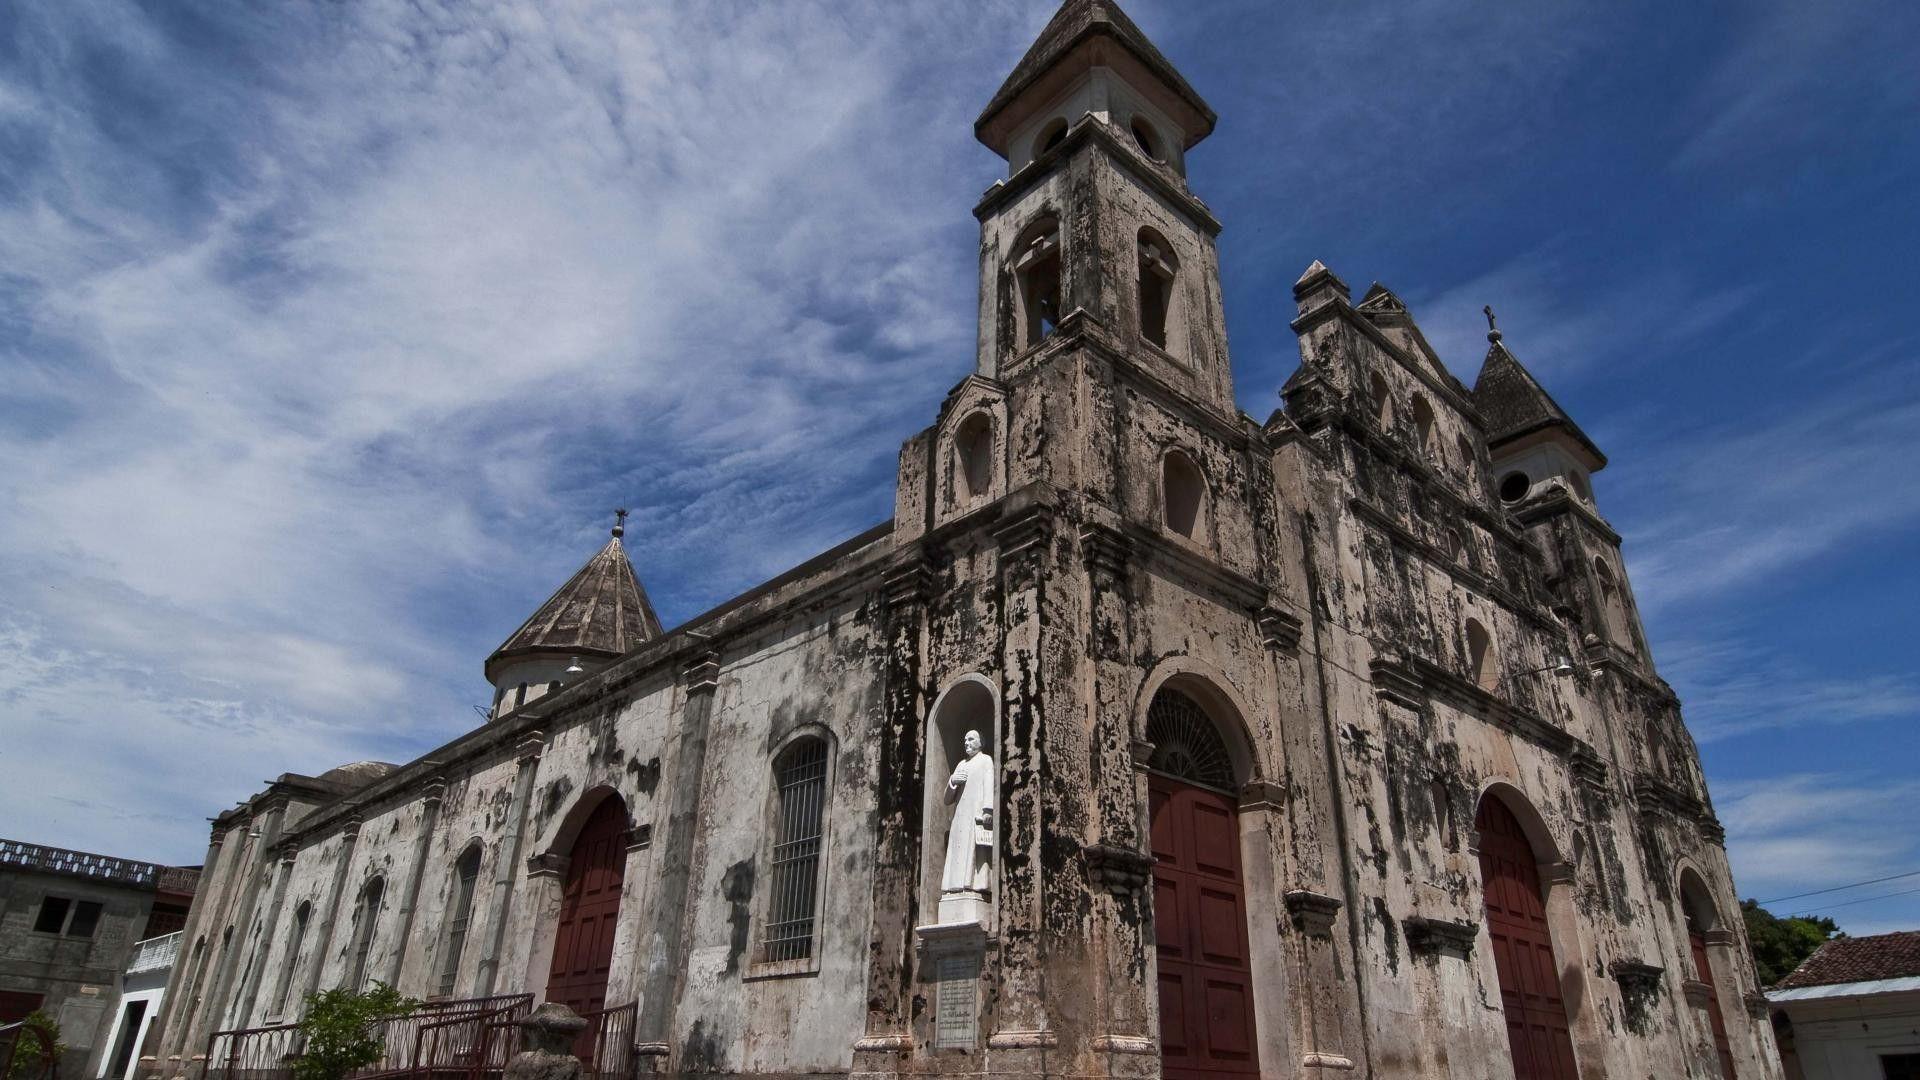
{"type": "Point", "coordinates": [1094, 220]}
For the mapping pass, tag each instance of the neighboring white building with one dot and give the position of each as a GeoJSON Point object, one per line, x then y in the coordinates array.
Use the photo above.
{"type": "Point", "coordinates": [1852, 1010]}
{"type": "Point", "coordinates": [141, 990]}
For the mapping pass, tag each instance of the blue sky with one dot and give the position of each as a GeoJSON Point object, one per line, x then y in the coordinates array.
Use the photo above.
{"type": "Point", "coordinates": [330, 333]}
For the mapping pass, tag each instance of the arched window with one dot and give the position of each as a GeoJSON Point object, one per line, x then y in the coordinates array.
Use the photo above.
{"type": "Point", "coordinates": [1158, 268]}
{"type": "Point", "coordinates": [1145, 137]}
{"type": "Point", "coordinates": [1051, 136]}
{"type": "Point", "coordinates": [1451, 544]}
{"type": "Point", "coordinates": [973, 456]}
{"type": "Point", "coordinates": [1036, 282]}
{"type": "Point", "coordinates": [1186, 744]}
{"type": "Point", "coordinates": [800, 796]}
{"type": "Point", "coordinates": [1183, 494]}
{"type": "Point", "coordinates": [1382, 401]}
{"type": "Point", "coordinates": [459, 909]}
{"type": "Point", "coordinates": [295, 940]}
{"type": "Point", "coordinates": [364, 915]}
{"type": "Point", "coordinates": [520, 696]}
{"type": "Point", "coordinates": [1483, 666]}
{"type": "Point", "coordinates": [1465, 448]}
{"type": "Point", "coordinates": [1423, 422]}
{"type": "Point", "coordinates": [1613, 606]}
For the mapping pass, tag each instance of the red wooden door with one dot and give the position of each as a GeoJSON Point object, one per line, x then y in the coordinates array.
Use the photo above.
{"type": "Point", "coordinates": [1537, 1030]}
{"type": "Point", "coordinates": [1200, 934]}
{"type": "Point", "coordinates": [589, 908]}
{"type": "Point", "coordinates": [1703, 971]}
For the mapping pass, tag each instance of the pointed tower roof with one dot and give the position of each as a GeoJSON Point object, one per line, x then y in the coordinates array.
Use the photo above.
{"type": "Point", "coordinates": [1057, 52]}
{"type": "Point", "coordinates": [601, 612]}
{"type": "Point", "coordinates": [1515, 406]}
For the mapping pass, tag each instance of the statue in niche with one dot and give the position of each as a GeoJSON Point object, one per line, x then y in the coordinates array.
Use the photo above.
{"type": "Point", "coordinates": [969, 865]}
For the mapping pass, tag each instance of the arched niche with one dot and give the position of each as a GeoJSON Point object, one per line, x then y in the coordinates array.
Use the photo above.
{"type": "Point", "coordinates": [969, 703]}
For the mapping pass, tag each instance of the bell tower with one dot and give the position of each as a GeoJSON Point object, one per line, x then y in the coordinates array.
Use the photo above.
{"type": "Point", "coordinates": [1094, 231]}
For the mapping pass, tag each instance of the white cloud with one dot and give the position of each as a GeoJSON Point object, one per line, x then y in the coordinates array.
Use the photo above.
{"type": "Point", "coordinates": [332, 360]}
{"type": "Point", "coordinates": [1800, 832]}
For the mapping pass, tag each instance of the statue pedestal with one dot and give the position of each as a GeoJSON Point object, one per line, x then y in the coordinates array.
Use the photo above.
{"type": "Point", "coordinates": [950, 959]}
{"type": "Point", "coordinates": [963, 906]}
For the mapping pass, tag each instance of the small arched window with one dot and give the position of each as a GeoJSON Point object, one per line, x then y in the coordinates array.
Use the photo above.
{"type": "Point", "coordinates": [459, 910]}
{"type": "Point", "coordinates": [1450, 543]}
{"type": "Point", "coordinates": [1482, 665]}
{"type": "Point", "coordinates": [295, 939]}
{"type": "Point", "coordinates": [1051, 136]}
{"type": "Point", "coordinates": [1036, 284]}
{"type": "Point", "coordinates": [1465, 449]}
{"type": "Point", "coordinates": [1158, 269]}
{"type": "Point", "coordinates": [364, 916]}
{"type": "Point", "coordinates": [1382, 402]}
{"type": "Point", "coordinates": [1145, 137]}
{"type": "Point", "coordinates": [1423, 422]}
{"type": "Point", "coordinates": [800, 796]}
{"type": "Point", "coordinates": [1183, 494]}
{"type": "Point", "coordinates": [973, 456]}
{"type": "Point", "coordinates": [1613, 605]}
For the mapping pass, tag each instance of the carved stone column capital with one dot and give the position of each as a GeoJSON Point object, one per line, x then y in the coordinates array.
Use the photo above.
{"type": "Point", "coordinates": [1312, 913]}
{"type": "Point", "coordinates": [1106, 551]}
{"type": "Point", "coordinates": [1440, 937]}
{"type": "Point", "coordinates": [1118, 870]}
{"type": "Point", "coordinates": [638, 837]}
{"type": "Point", "coordinates": [1279, 630]}
{"type": "Point", "coordinates": [1720, 938]}
{"type": "Point", "coordinates": [1022, 538]}
{"type": "Point", "coordinates": [547, 864]}
{"type": "Point", "coordinates": [530, 747]}
{"type": "Point", "coordinates": [909, 583]}
{"type": "Point", "coordinates": [702, 674]}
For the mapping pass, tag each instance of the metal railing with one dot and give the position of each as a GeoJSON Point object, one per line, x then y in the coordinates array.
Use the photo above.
{"type": "Point", "coordinates": [154, 953]}
{"type": "Point", "coordinates": [52, 860]}
{"type": "Point", "coordinates": [266, 1053]}
{"type": "Point", "coordinates": [461, 1045]}
{"type": "Point", "coordinates": [608, 1049]}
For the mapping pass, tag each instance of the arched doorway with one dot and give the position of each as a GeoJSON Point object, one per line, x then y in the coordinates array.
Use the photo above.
{"type": "Point", "coordinates": [589, 910]}
{"type": "Point", "coordinates": [1702, 920]}
{"type": "Point", "coordinates": [1199, 897]}
{"type": "Point", "coordinates": [1537, 1030]}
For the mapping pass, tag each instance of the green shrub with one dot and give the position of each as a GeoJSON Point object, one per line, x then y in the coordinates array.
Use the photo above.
{"type": "Point", "coordinates": [27, 1060]}
{"type": "Point", "coordinates": [338, 1027]}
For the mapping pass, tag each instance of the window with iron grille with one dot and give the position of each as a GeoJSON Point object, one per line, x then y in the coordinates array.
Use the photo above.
{"type": "Point", "coordinates": [301, 915]}
{"type": "Point", "coordinates": [464, 875]}
{"type": "Point", "coordinates": [369, 910]}
{"type": "Point", "coordinates": [800, 774]}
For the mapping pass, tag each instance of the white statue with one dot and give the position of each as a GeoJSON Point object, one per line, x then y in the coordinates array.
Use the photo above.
{"type": "Point", "coordinates": [969, 865]}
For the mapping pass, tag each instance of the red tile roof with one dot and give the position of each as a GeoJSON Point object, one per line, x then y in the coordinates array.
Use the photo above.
{"type": "Point", "coordinates": [1861, 959]}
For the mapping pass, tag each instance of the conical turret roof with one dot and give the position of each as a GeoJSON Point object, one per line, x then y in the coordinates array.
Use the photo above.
{"type": "Point", "coordinates": [1515, 405]}
{"type": "Point", "coordinates": [601, 612]}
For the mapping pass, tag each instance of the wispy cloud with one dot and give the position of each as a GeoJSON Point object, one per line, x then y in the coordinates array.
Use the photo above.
{"type": "Point", "coordinates": [334, 328]}
{"type": "Point", "coordinates": [1800, 832]}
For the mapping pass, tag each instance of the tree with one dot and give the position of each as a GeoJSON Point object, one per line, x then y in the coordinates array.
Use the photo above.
{"type": "Point", "coordinates": [339, 1031]}
{"type": "Point", "coordinates": [1779, 945]}
{"type": "Point", "coordinates": [38, 1044]}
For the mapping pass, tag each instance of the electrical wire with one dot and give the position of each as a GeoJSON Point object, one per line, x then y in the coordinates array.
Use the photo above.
{"type": "Point", "coordinates": [1839, 888]}
{"type": "Point", "coordinates": [1850, 903]}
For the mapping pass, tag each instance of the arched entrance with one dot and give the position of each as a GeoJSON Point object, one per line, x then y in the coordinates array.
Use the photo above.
{"type": "Point", "coordinates": [1199, 897]}
{"type": "Point", "coordinates": [589, 910]}
{"type": "Point", "coordinates": [1537, 1029]}
{"type": "Point", "coordinates": [1701, 920]}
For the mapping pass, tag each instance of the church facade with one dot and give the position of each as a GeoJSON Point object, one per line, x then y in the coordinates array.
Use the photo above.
{"type": "Point", "coordinates": [1146, 739]}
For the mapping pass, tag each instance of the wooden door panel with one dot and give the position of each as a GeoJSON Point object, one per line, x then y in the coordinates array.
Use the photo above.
{"type": "Point", "coordinates": [1205, 982]}
{"type": "Point", "coordinates": [589, 911]}
{"type": "Point", "coordinates": [1538, 1034]}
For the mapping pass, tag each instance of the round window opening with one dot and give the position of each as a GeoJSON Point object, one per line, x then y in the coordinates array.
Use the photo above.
{"type": "Point", "coordinates": [1513, 486]}
{"type": "Point", "coordinates": [1143, 135]}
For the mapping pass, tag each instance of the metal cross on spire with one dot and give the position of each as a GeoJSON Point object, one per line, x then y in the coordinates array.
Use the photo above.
{"type": "Point", "coordinates": [620, 522]}
{"type": "Point", "coordinates": [1493, 332]}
